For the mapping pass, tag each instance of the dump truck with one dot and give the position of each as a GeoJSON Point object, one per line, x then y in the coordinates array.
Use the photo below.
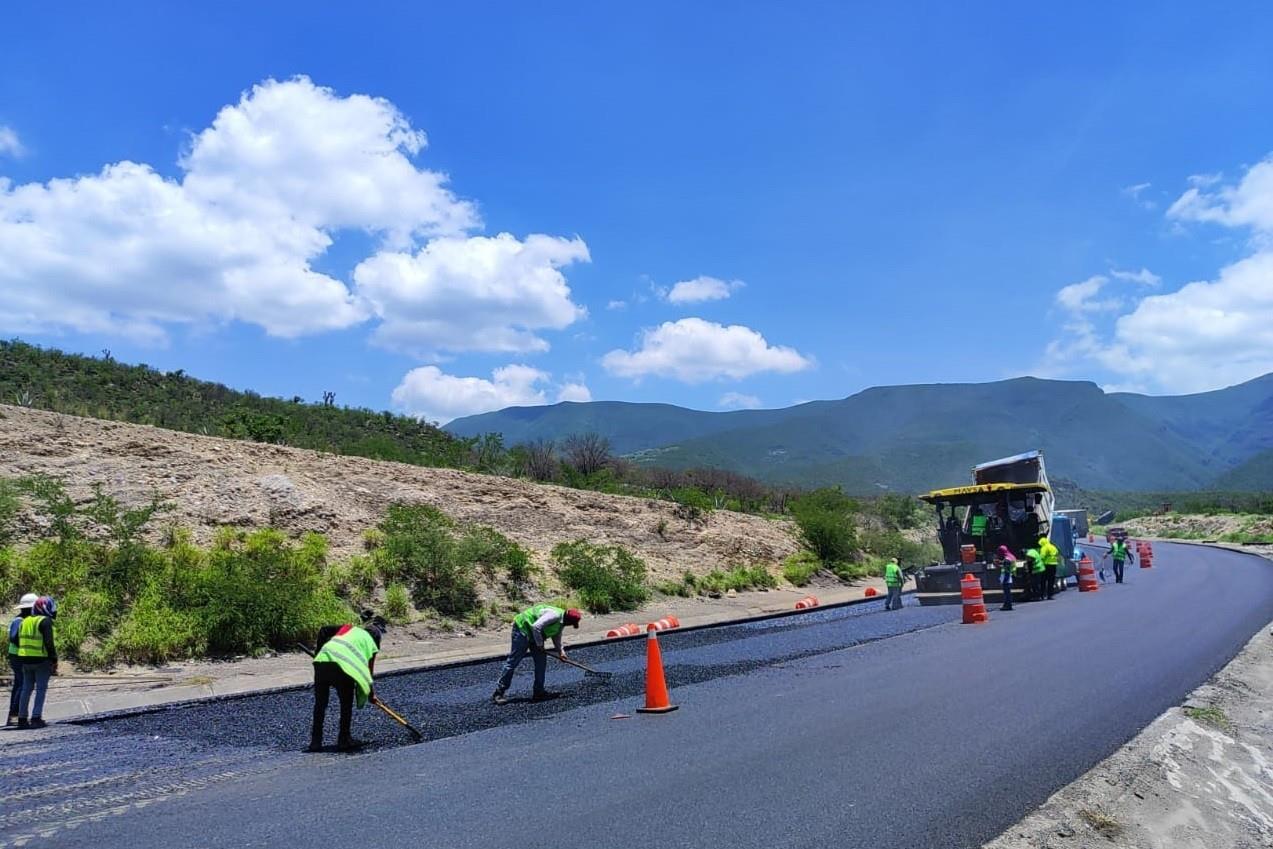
{"type": "Point", "coordinates": [1009, 503]}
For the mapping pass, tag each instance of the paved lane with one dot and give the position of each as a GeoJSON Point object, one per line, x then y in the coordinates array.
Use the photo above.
{"type": "Point", "coordinates": [940, 736]}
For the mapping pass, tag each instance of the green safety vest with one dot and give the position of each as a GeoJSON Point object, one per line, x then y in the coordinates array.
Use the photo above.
{"type": "Point", "coordinates": [13, 647]}
{"type": "Point", "coordinates": [352, 651]}
{"type": "Point", "coordinates": [1119, 550]}
{"type": "Point", "coordinates": [1037, 566]}
{"type": "Point", "coordinates": [893, 575]}
{"type": "Point", "coordinates": [30, 641]}
{"type": "Point", "coordinates": [1050, 553]}
{"type": "Point", "coordinates": [526, 619]}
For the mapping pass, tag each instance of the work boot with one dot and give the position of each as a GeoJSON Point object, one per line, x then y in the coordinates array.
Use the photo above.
{"type": "Point", "coordinates": [22, 723]}
{"type": "Point", "coordinates": [11, 721]}
{"type": "Point", "coordinates": [315, 744]}
{"type": "Point", "coordinates": [499, 698]}
{"type": "Point", "coordinates": [544, 696]}
{"type": "Point", "coordinates": [37, 722]}
{"type": "Point", "coordinates": [349, 744]}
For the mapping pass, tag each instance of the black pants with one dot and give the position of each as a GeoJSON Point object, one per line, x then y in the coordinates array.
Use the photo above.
{"type": "Point", "coordinates": [1007, 596]}
{"type": "Point", "coordinates": [1049, 579]}
{"type": "Point", "coordinates": [1118, 571]}
{"type": "Point", "coordinates": [326, 676]}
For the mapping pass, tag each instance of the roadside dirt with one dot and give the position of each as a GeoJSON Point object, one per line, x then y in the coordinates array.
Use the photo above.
{"type": "Point", "coordinates": [1199, 777]}
{"type": "Point", "coordinates": [1201, 527]}
{"type": "Point", "coordinates": [215, 482]}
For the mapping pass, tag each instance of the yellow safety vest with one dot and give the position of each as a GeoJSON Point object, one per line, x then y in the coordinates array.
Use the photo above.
{"type": "Point", "coordinates": [352, 651]}
{"type": "Point", "coordinates": [30, 640]}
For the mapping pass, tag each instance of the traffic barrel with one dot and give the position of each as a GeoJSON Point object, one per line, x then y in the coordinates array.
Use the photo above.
{"type": "Point", "coordinates": [870, 592]}
{"type": "Point", "coordinates": [974, 601]}
{"type": "Point", "coordinates": [807, 603]}
{"type": "Point", "coordinates": [656, 695]}
{"type": "Point", "coordinates": [665, 623]}
{"type": "Point", "coordinates": [629, 630]}
{"type": "Point", "coordinates": [1087, 575]}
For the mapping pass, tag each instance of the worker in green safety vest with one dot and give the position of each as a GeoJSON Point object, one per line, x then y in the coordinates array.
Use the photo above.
{"type": "Point", "coordinates": [530, 628]}
{"type": "Point", "coordinates": [1007, 563]}
{"type": "Point", "coordinates": [15, 664]}
{"type": "Point", "coordinates": [1121, 552]}
{"type": "Point", "coordinates": [38, 655]}
{"type": "Point", "coordinates": [346, 661]}
{"type": "Point", "coordinates": [1038, 569]}
{"type": "Point", "coordinates": [1051, 554]}
{"type": "Point", "coordinates": [893, 579]}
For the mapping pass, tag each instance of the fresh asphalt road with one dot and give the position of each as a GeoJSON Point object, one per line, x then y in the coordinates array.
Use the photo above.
{"type": "Point", "coordinates": [939, 736]}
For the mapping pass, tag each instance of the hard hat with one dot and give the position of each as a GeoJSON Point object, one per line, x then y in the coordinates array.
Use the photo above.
{"type": "Point", "coordinates": [27, 601]}
{"type": "Point", "coordinates": [572, 617]}
{"type": "Point", "coordinates": [44, 606]}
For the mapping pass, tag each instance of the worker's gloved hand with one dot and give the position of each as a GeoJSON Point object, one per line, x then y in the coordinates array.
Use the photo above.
{"type": "Point", "coordinates": [53, 670]}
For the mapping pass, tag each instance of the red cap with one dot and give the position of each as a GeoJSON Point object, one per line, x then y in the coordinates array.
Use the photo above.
{"type": "Point", "coordinates": [572, 617]}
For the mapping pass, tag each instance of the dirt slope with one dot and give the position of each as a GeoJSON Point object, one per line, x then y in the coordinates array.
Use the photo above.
{"type": "Point", "coordinates": [217, 482]}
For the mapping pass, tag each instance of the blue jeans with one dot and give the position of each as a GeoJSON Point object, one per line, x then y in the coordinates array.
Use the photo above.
{"type": "Point", "coordinates": [35, 679]}
{"type": "Point", "coordinates": [894, 601]}
{"type": "Point", "coordinates": [16, 695]}
{"type": "Point", "coordinates": [521, 645]}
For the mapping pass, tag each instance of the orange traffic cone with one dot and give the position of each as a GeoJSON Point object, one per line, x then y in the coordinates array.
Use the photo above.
{"type": "Point", "coordinates": [974, 601]}
{"type": "Point", "coordinates": [656, 697]}
{"type": "Point", "coordinates": [1087, 575]}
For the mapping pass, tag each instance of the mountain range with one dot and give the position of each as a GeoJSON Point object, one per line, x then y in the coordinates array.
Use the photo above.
{"type": "Point", "coordinates": [912, 438]}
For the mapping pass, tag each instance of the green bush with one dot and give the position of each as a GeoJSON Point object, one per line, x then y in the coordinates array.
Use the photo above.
{"type": "Point", "coordinates": [676, 588]}
{"type": "Point", "coordinates": [397, 606]}
{"type": "Point", "coordinates": [606, 577]}
{"type": "Point", "coordinates": [153, 632]}
{"type": "Point", "coordinates": [420, 550]}
{"type": "Point", "coordinates": [800, 567]}
{"type": "Point", "coordinates": [825, 519]}
{"type": "Point", "coordinates": [491, 551]}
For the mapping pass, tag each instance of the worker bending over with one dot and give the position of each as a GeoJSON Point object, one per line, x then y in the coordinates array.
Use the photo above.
{"type": "Point", "coordinates": [530, 627]}
{"type": "Point", "coordinates": [1050, 556]}
{"type": "Point", "coordinates": [893, 579]}
{"type": "Point", "coordinates": [345, 660]}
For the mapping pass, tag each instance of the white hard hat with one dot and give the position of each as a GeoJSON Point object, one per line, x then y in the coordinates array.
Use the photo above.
{"type": "Point", "coordinates": [28, 600]}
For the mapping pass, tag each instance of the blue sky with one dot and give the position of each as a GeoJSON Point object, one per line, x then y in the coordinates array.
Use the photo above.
{"type": "Point", "coordinates": [868, 196]}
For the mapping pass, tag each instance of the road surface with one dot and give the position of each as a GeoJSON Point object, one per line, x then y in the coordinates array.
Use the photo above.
{"type": "Point", "coordinates": [852, 728]}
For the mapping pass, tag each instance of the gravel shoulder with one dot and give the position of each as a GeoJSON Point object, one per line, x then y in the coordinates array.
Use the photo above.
{"type": "Point", "coordinates": [1200, 776]}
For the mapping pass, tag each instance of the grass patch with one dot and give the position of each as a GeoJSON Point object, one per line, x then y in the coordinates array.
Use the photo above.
{"type": "Point", "coordinates": [1212, 716]}
{"type": "Point", "coordinates": [1103, 824]}
{"type": "Point", "coordinates": [800, 568]}
{"type": "Point", "coordinates": [738, 579]}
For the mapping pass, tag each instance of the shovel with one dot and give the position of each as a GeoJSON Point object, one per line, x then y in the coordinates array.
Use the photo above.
{"type": "Point", "coordinates": [389, 712]}
{"type": "Point", "coordinates": [588, 670]}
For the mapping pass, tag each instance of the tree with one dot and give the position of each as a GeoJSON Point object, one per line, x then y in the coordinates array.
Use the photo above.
{"type": "Point", "coordinates": [588, 453]}
{"type": "Point", "coordinates": [541, 459]}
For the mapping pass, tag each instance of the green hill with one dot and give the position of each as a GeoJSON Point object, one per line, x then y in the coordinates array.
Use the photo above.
{"type": "Point", "coordinates": [1255, 475]}
{"type": "Point", "coordinates": [908, 438]}
{"type": "Point", "coordinates": [48, 379]}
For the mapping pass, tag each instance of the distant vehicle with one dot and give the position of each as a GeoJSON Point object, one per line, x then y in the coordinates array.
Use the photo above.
{"type": "Point", "coordinates": [1078, 518]}
{"type": "Point", "coordinates": [1010, 503]}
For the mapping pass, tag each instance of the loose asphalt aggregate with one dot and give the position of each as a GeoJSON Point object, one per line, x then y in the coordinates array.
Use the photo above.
{"type": "Point", "coordinates": [847, 727]}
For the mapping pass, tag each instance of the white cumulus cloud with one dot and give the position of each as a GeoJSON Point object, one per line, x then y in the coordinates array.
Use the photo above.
{"type": "Point", "coordinates": [701, 289]}
{"type": "Point", "coordinates": [263, 193]}
{"type": "Point", "coordinates": [693, 350]}
{"type": "Point", "coordinates": [472, 294]}
{"type": "Point", "coordinates": [429, 393]}
{"type": "Point", "coordinates": [738, 401]}
{"type": "Point", "coordinates": [1204, 335]}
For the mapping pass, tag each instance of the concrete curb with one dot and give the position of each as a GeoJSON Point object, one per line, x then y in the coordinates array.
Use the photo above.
{"type": "Point", "coordinates": [119, 705]}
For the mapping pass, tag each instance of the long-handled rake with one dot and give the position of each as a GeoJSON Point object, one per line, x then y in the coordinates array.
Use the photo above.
{"type": "Point", "coordinates": [588, 670]}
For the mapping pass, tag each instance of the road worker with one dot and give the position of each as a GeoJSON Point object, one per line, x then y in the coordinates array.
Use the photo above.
{"type": "Point", "coordinates": [1007, 563]}
{"type": "Point", "coordinates": [1120, 552]}
{"type": "Point", "coordinates": [345, 659]}
{"type": "Point", "coordinates": [1051, 554]}
{"type": "Point", "coordinates": [15, 664]}
{"type": "Point", "coordinates": [893, 579]}
{"type": "Point", "coordinates": [1038, 569]}
{"type": "Point", "coordinates": [530, 628]}
{"type": "Point", "coordinates": [38, 655]}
